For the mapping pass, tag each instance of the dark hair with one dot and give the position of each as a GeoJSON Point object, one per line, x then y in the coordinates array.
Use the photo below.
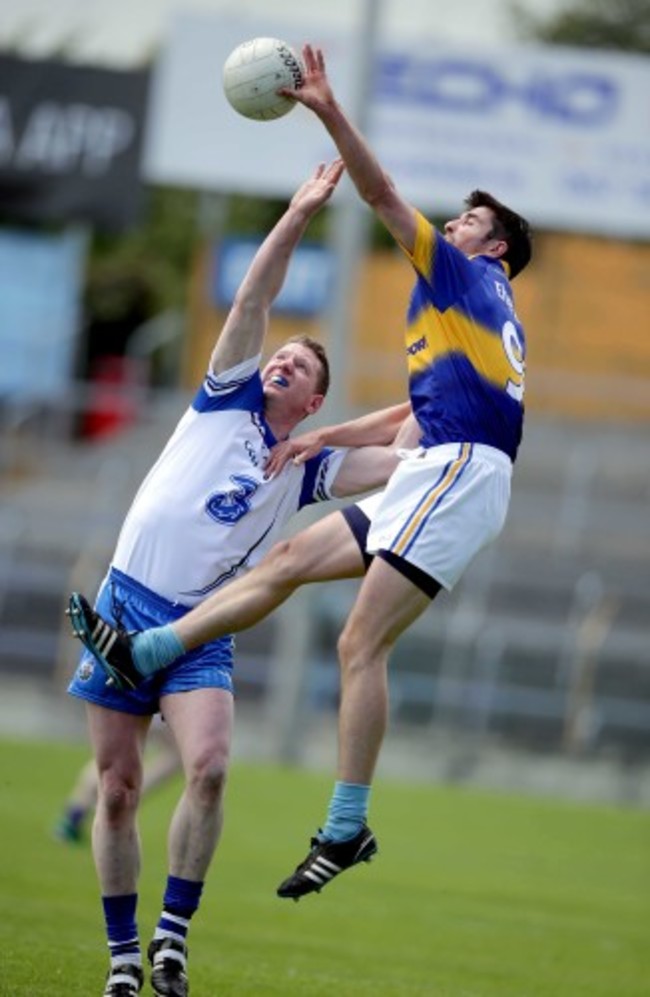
{"type": "Point", "coordinates": [318, 350]}
{"type": "Point", "coordinates": [509, 226]}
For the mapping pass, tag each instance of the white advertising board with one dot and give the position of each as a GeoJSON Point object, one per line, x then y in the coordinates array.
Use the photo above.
{"type": "Point", "coordinates": [562, 135]}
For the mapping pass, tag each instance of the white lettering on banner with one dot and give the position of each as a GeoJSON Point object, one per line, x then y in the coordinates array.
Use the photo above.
{"type": "Point", "coordinates": [61, 139]}
{"type": "Point", "coordinates": [514, 352]}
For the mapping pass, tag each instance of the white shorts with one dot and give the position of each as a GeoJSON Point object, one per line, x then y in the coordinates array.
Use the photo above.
{"type": "Point", "coordinates": [440, 507]}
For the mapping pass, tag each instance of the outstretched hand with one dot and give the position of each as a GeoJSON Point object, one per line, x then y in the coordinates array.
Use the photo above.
{"type": "Point", "coordinates": [298, 450]}
{"type": "Point", "coordinates": [319, 188]}
{"type": "Point", "coordinates": [315, 92]}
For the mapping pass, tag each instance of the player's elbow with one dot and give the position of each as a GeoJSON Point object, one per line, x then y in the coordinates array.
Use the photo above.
{"type": "Point", "coordinates": [380, 194]}
{"type": "Point", "coordinates": [248, 306]}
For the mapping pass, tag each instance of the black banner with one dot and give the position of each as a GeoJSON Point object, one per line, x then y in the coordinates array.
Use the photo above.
{"type": "Point", "coordinates": [70, 142]}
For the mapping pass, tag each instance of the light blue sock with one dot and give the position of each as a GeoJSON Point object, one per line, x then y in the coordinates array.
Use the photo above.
{"type": "Point", "coordinates": [347, 812]}
{"type": "Point", "coordinates": [155, 649]}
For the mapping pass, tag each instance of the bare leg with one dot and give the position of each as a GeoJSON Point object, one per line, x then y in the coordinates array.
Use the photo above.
{"type": "Point", "coordinates": [83, 795]}
{"type": "Point", "coordinates": [201, 722]}
{"type": "Point", "coordinates": [118, 743]}
{"type": "Point", "coordinates": [325, 551]}
{"type": "Point", "coordinates": [162, 760]}
{"type": "Point", "coordinates": [386, 605]}
{"type": "Point", "coordinates": [79, 805]}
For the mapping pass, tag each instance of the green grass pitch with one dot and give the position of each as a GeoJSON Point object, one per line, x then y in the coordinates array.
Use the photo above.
{"type": "Point", "coordinates": [472, 895]}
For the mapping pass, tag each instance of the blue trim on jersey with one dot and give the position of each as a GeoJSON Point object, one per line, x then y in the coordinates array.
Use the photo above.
{"type": "Point", "coordinates": [245, 395]}
{"type": "Point", "coordinates": [217, 383]}
{"type": "Point", "coordinates": [313, 488]}
{"type": "Point", "coordinates": [264, 428]}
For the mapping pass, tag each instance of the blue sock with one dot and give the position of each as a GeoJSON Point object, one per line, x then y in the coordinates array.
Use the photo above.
{"type": "Point", "coordinates": [121, 929]}
{"type": "Point", "coordinates": [181, 900]}
{"type": "Point", "coordinates": [155, 649]}
{"type": "Point", "coordinates": [347, 811]}
{"type": "Point", "coordinates": [75, 815]}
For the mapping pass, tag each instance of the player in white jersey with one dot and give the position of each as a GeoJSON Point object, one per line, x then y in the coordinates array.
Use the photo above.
{"type": "Point", "coordinates": [205, 513]}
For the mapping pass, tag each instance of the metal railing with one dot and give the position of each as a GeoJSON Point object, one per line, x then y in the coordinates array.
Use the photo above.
{"type": "Point", "coordinates": [545, 644]}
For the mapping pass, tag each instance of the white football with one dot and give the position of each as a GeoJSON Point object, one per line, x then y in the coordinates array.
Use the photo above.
{"type": "Point", "coordinates": [255, 71]}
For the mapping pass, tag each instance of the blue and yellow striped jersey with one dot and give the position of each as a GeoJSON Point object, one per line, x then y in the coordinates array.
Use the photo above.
{"type": "Point", "coordinates": [465, 347]}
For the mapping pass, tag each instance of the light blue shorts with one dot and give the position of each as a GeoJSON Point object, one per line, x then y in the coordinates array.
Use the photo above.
{"type": "Point", "coordinates": [123, 600]}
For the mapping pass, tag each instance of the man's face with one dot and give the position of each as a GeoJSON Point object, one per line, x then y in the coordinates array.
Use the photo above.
{"type": "Point", "coordinates": [470, 233]}
{"type": "Point", "coordinates": [290, 381]}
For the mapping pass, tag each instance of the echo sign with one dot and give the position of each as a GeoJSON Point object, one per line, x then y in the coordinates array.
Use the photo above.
{"type": "Point", "coordinates": [569, 96]}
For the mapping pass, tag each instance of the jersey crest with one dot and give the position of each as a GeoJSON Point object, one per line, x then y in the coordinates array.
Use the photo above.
{"type": "Point", "coordinates": [228, 507]}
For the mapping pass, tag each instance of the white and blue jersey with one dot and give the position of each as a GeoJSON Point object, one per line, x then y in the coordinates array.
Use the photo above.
{"type": "Point", "coordinates": [205, 513]}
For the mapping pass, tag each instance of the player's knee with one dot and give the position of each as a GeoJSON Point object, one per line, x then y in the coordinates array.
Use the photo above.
{"type": "Point", "coordinates": [360, 649]}
{"type": "Point", "coordinates": [207, 777]}
{"type": "Point", "coordinates": [284, 562]}
{"type": "Point", "coordinates": [119, 795]}
{"type": "Point", "coordinates": [349, 649]}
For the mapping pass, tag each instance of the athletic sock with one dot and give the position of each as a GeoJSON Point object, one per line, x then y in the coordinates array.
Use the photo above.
{"type": "Point", "coordinates": [122, 930]}
{"type": "Point", "coordinates": [70, 824]}
{"type": "Point", "coordinates": [75, 815]}
{"type": "Point", "coordinates": [347, 812]}
{"type": "Point", "coordinates": [156, 648]}
{"type": "Point", "coordinates": [181, 900]}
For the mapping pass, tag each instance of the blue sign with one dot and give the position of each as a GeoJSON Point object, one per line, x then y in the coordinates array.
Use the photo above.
{"type": "Point", "coordinates": [41, 280]}
{"type": "Point", "coordinates": [307, 285]}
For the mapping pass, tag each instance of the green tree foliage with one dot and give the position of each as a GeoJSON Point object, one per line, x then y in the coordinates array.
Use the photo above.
{"type": "Point", "coordinates": [133, 276]}
{"type": "Point", "coordinates": [153, 256]}
{"type": "Point", "coordinates": [622, 25]}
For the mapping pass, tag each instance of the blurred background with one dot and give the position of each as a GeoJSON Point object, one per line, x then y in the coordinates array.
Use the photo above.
{"type": "Point", "coordinates": [131, 199]}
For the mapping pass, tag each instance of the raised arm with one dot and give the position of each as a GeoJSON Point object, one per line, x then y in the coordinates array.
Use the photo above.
{"type": "Point", "coordinates": [373, 185]}
{"type": "Point", "coordinates": [244, 330]}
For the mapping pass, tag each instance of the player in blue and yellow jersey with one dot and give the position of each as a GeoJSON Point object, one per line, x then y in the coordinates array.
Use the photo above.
{"type": "Point", "coordinates": [466, 355]}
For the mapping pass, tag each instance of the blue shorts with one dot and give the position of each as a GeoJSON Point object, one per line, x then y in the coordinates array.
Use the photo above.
{"type": "Point", "coordinates": [123, 600]}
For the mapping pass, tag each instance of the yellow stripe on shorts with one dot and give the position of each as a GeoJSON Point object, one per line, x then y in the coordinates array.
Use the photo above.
{"type": "Point", "coordinates": [453, 473]}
